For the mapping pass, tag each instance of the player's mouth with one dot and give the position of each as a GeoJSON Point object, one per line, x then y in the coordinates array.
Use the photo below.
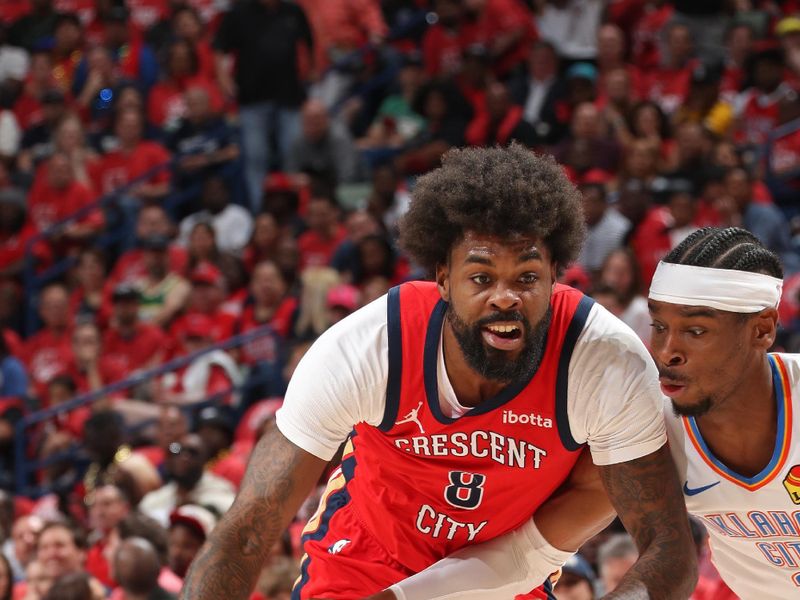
{"type": "Point", "coordinates": [672, 388]}
{"type": "Point", "coordinates": [503, 335]}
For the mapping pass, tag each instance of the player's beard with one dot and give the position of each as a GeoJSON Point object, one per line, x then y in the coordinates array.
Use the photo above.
{"type": "Point", "coordinates": [698, 409]}
{"type": "Point", "coordinates": [495, 364]}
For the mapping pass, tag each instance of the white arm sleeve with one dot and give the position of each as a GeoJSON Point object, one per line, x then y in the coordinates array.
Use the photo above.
{"type": "Point", "coordinates": [614, 402]}
{"type": "Point", "coordinates": [341, 381]}
{"type": "Point", "coordinates": [514, 563]}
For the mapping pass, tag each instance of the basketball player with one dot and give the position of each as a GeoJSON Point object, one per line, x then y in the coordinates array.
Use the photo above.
{"type": "Point", "coordinates": [733, 430]}
{"type": "Point", "coordinates": [464, 403]}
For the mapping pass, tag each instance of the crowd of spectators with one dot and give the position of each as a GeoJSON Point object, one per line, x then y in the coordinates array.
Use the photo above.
{"type": "Point", "coordinates": [174, 173]}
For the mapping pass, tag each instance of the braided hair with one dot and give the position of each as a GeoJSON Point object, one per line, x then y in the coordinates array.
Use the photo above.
{"type": "Point", "coordinates": [730, 248]}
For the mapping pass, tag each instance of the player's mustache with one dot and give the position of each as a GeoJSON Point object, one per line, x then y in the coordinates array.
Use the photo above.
{"type": "Point", "coordinates": [665, 373]}
{"type": "Point", "coordinates": [502, 317]}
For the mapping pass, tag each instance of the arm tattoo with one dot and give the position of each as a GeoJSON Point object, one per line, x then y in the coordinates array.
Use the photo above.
{"type": "Point", "coordinates": [647, 496]}
{"type": "Point", "coordinates": [278, 478]}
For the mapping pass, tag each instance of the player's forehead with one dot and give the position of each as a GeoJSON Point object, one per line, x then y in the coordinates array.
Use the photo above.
{"type": "Point", "coordinates": [489, 247]}
{"type": "Point", "coordinates": [661, 309]}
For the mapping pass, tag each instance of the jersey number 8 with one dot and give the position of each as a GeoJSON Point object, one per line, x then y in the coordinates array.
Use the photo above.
{"type": "Point", "coordinates": [465, 489]}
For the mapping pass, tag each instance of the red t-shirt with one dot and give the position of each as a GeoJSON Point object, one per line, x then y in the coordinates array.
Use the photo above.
{"type": "Point", "coordinates": [136, 351]}
{"type": "Point", "coordinates": [647, 36]}
{"type": "Point", "coordinates": [117, 168]}
{"type": "Point", "coordinates": [316, 251]}
{"type": "Point", "coordinates": [442, 49]}
{"type": "Point", "coordinates": [11, 10]}
{"type": "Point", "coordinates": [12, 247]}
{"type": "Point", "coordinates": [669, 87]}
{"type": "Point", "coordinates": [785, 155]}
{"type": "Point", "coordinates": [500, 17]}
{"type": "Point", "coordinates": [265, 348]}
{"type": "Point", "coordinates": [166, 104]}
{"type": "Point", "coordinates": [48, 205]}
{"type": "Point", "coordinates": [146, 13]}
{"type": "Point", "coordinates": [221, 329]}
{"type": "Point", "coordinates": [47, 354]}
{"type": "Point", "coordinates": [130, 266]}
{"type": "Point", "coordinates": [97, 565]}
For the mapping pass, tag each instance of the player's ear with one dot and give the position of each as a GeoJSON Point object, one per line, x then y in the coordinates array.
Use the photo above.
{"type": "Point", "coordinates": [764, 327]}
{"type": "Point", "coordinates": [443, 281]}
{"type": "Point", "coordinates": [553, 272]}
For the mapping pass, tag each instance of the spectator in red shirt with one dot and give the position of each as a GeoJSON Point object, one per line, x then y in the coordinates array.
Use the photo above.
{"type": "Point", "coordinates": [202, 247]}
{"type": "Point", "coordinates": [67, 50]}
{"type": "Point", "coordinates": [108, 506]}
{"type": "Point", "coordinates": [29, 108]}
{"type": "Point", "coordinates": [70, 139]}
{"type": "Point", "coordinates": [187, 25]}
{"type": "Point", "coordinates": [210, 374]}
{"type": "Point", "coordinates": [501, 122]}
{"type": "Point", "coordinates": [90, 367]}
{"type": "Point", "coordinates": [205, 298]}
{"type": "Point", "coordinates": [505, 27]}
{"type": "Point", "coordinates": [267, 304]}
{"type": "Point", "coordinates": [133, 344]}
{"type": "Point", "coordinates": [611, 53]}
{"type": "Point", "coordinates": [151, 221]}
{"type": "Point", "coordinates": [264, 241]}
{"type": "Point", "coordinates": [669, 84]}
{"type": "Point", "coordinates": [134, 158]}
{"type": "Point", "coordinates": [189, 526]}
{"type": "Point", "coordinates": [760, 104]}
{"type": "Point", "coordinates": [15, 231]}
{"type": "Point", "coordinates": [445, 40]}
{"type": "Point", "coordinates": [324, 234]}
{"type": "Point", "coordinates": [48, 352]}
{"type": "Point", "coordinates": [56, 195]}
{"type": "Point", "coordinates": [166, 103]}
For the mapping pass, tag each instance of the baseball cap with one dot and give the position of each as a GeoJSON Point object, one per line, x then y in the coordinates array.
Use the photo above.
{"type": "Point", "coordinates": [582, 70]}
{"type": "Point", "coordinates": [125, 291]}
{"type": "Point", "coordinates": [198, 518]}
{"type": "Point", "coordinates": [215, 416]}
{"type": "Point", "coordinates": [343, 296]}
{"type": "Point", "coordinates": [155, 242]}
{"type": "Point", "coordinates": [579, 566]}
{"type": "Point", "coordinates": [206, 273]}
{"type": "Point", "coordinates": [198, 326]}
{"type": "Point", "coordinates": [787, 26]}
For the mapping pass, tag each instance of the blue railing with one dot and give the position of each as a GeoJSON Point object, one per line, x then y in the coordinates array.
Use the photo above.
{"type": "Point", "coordinates": [24, 467]}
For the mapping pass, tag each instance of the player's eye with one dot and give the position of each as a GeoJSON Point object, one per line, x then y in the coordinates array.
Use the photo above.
{"type": "Point", "coordinates": [480, 279]}
{"type": "Point", "coordinates": [658, 327]}
{"type": "Point", "coordinates": [529, 278]}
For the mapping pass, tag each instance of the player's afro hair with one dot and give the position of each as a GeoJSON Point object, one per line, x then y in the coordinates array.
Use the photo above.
{"type": "Point", "coordinates": [729, 248]}
{"type": "Point", "coordinates": [492, 191]}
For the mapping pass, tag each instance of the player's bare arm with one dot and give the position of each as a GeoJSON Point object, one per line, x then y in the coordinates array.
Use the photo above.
{"type": "Point", "coordinates": [279, 477]}
{"type": "Point", "coordinates": [579, 510]}
{"type": "Point", "coordinates": [646, 494]}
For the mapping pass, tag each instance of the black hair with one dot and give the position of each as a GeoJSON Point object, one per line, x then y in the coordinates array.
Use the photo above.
{"type": "Point", "coordinates": [730, 248]}
{"type": "Point", "coordinates": [494, 191]}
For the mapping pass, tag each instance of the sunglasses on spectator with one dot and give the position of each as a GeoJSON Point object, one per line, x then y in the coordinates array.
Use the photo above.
{"type": "Point", "coordinates": [176, 449]}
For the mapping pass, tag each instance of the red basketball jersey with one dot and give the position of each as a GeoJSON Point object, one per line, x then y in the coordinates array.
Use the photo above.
{"type": "Point", "coordinates": [426, 485]}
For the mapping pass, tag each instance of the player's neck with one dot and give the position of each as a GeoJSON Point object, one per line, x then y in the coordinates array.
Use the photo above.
{"type": "Point", "coordinates": [470, 388]}
{"type": "Point", "coordinates": [750, 408]}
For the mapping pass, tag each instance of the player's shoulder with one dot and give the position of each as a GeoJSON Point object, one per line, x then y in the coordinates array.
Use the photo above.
{"type": "Point", "coordinates": [360, 334]}
{"type": "Point", "coordinates": [790, 364]}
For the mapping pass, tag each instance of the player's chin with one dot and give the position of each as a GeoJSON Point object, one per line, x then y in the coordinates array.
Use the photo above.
{"type": "Point", "coordinates": [691, 407]}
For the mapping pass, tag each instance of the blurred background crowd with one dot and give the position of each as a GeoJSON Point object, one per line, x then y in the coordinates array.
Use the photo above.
{"type": "Point", "coordinates": [191, 191]}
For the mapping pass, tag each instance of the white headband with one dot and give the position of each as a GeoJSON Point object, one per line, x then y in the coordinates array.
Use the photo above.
{"type": "Point", "coordinates": [723, 289]}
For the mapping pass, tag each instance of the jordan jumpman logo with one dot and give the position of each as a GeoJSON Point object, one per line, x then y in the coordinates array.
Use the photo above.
{"type": "Point", "coordinates": [412, 417]}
